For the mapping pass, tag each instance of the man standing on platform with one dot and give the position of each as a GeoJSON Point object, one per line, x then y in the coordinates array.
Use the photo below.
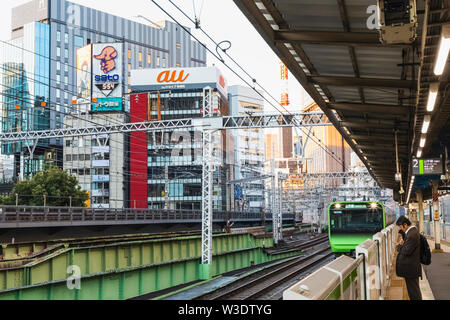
{"type": "Point", "coordinates": [408, 258]}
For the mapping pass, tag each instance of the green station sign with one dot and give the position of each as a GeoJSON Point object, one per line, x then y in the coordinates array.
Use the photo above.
{"type": "Point", "coordinates": [432, 166]}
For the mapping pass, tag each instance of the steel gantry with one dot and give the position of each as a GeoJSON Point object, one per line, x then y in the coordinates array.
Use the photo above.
{"type": "Point", "coordinates": [208, 124]}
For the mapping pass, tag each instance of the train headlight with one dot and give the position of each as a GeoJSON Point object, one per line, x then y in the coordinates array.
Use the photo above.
{"type": "Point", "coordinates": [337, 205]}
{"type": "Point", "coordinates": [373, 205]}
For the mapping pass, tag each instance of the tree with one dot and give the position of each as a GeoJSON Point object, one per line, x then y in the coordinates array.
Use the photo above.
{"type": "Point", "coordinates": [55, 183]}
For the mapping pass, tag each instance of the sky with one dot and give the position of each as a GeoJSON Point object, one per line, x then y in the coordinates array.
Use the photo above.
{"type": "Point", "coordinates": [220, 18]}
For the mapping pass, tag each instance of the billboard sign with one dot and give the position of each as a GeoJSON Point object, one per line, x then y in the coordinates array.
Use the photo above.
{"type": "Point", "coordinates": [178, 79]}
{"type": "Point", "coordinates": [107, 104]}
{"type": "Point", "coordinates": [84, 73]}
{"type": "Point", "coordinates": [107, 70]}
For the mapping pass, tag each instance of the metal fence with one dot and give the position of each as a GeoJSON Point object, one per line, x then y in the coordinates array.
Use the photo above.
{"type": "Point", "coordinates": [42, 215]}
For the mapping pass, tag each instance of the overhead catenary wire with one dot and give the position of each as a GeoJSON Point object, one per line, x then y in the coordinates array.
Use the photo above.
{"type": "Point", "coordinates": [239, 76]}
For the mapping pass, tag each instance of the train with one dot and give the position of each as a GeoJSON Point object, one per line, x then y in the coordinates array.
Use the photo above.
{"type": "Point", "coordinates": [350, 223]}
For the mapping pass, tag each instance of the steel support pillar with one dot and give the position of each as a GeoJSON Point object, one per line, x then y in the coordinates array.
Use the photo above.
{"type": "Point", "coordinates": [436, 219]}
{"type": "Point", "coordinates": [419, 197]}
{"type": "Point", "coordinates": [279, 229]}
{"type": "Point", "coordinates": [207, 190]}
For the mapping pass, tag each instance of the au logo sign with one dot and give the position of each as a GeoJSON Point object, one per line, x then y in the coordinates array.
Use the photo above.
{"type": "Point", "coordinates": [166, 76]}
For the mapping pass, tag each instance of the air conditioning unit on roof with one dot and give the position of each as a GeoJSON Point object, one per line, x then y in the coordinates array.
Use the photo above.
{"type": "Point", "coordinates": [398, 21]}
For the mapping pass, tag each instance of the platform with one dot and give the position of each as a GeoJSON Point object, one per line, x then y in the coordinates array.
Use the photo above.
{"type": "Point", "coordinates": [435, 282]}
{"type": "Point", "coordinates": [438, 272]}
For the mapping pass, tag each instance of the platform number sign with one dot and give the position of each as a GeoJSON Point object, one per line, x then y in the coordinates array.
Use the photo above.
{"type": "Point", "coordinates": [432, 166]}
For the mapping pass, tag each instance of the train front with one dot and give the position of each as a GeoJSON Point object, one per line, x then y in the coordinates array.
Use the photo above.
{"type": "Point", "coordinates": [352, 223]}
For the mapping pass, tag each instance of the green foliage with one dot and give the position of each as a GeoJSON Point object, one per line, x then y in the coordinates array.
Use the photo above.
{"type": "Point", "coordinates": [53, 182]}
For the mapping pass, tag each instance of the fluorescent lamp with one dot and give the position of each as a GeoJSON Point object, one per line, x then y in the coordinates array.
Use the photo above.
{"type": "Point", "coordinates": [422, 141]}
{"type": "Point", "coordinates": [444, 47]}
{"type": "Point", "coordinates": [432, 95]}
{"type": "Point", "coordinates": [419, 153]}
{"type": "Point", "coordinates": [426, 123]}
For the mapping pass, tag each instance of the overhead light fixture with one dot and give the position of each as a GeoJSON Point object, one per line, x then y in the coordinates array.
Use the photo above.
{"type": "Point", "coordinates": [444, 47]}
{"type": "Point", "coordinates": [426, 123]}
{"type": "Point", "coordinates": [432, 96]}
{"type": "Point", "coordinates": [422, 141]}
{"type": "Point", "coordinates": [419, 153]}
{"type": "Point", "coordinates": [373, 205]}
{"type": "Point", "coordinates": [337, 206]}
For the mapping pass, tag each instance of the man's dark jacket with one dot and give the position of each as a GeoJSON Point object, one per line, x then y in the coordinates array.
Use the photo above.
{"type": "Point", "coordinates": [408, 258]}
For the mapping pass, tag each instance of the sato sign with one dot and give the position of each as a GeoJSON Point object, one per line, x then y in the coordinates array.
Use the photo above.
{"type": "Point", "coordinates": [427, 166]}
{"type": "Point", "coordinates": [108, 104]}
{"type": "Point", "coordinates": [107, 65]}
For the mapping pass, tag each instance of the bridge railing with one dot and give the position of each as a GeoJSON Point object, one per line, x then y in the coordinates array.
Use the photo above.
{"type": "Point", "coordinates": [56, 214]}
{"type": "Point", "coordinates": [365, 277]}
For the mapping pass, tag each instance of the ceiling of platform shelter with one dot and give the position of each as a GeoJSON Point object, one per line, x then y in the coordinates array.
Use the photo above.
{"type": "Point", "coordinates": [372, 92]}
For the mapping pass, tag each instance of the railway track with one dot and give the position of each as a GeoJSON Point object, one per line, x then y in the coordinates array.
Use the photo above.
{"type": "Point", "coordinates": [261, 283]}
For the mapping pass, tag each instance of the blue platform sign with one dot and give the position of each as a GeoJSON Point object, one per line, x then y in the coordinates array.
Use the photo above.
{"type": "Point", "coordinates": [238, 192]}
{"type": "Point", "coordinates": [107, 104]}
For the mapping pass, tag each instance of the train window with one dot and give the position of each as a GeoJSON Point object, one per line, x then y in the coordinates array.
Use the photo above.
{"type": "Point", "coordinates": [356, 220]}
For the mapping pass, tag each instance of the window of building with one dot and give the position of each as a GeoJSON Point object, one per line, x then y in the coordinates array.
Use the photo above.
{"type": "Point", "coordinates": [178, 45]}
{"type": "Point", "coordinates": [66, 53]}
{"type": "Point", "coordinates": [157, 61]}
{"type": "Point", "coordinates": [87, 157]}
{"type": "Point", "coordinates": [129, 53]}
{"type": "Point", "coordinates": [66, 80]}
{"type": "Point", "coordinates": [178, 65]}
{"type": "Point", "coordinates": [58, 35]}
{"type": "Point", "coordinates": [129, 80]}
{"type": "Point", "coordinates": [58, 65]}
{"type": "Point", "coordinates": [66, 95]}
{"type": "Point", "coordinates": [66, 37]}
{"type": "Point", "coordinates": [140, 67]}
{"type": "Point", "coordinates": [164, 62]}
{"type": "Point", "coordinates": [68, 157]}
{"type": "Point", "coordinates": [81, 157]}
{"type": "Point", "coordinates": [67, 143]}
{"type": "Point", "coordinates": [58, 51]}
{"type": "Point", "coordinates": [58, 79]}
{"type": "Point", "coordinates": [58, 93]}
{"type": "Point", "coordinates": [78, 41]}
{"type": "Point", "coordinates": [140, 56]}
{"type": "Point", "coordinates": [74, 157]}
{"type": "Point", "coordinates": [129, 67]}
{"type": "Point", "coordinates": [66, 68]}
{"type": "Point", "coordinates": [149, 58]}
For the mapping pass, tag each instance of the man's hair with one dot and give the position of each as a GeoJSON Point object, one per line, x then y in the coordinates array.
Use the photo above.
{"type": "Point", "coordinates": [403, 220]}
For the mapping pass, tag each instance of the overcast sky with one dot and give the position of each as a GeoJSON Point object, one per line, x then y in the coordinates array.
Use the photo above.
{"type": "Point", "coordinates": [220, 18]}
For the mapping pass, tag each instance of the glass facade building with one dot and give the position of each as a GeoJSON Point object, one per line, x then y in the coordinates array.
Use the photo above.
{"type": "Point", "coordinates": [25, 72]}
{"type": "Point", "coordinates": [40, 61]}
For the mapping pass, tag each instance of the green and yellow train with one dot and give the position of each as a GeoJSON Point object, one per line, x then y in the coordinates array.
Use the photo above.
{"type": "Point", "coordinates": [350, 223]}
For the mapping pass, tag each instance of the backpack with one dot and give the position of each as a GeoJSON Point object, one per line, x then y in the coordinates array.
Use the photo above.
{"type": "Point", "coordinates": [425, 253]}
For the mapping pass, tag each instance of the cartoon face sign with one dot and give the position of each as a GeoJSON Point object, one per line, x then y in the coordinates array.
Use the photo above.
{"type": "Point", "coordinates": [106, 58]}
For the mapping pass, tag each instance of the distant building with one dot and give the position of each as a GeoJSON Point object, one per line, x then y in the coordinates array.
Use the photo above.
{"type": "Point", "coordinates": [166, 167]}
{"type": "Point", "coordinates": [329, 152]}
{"type": "Point", "coordinates": [249, 148]}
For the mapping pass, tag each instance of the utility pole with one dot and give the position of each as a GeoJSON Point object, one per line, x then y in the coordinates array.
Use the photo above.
{"type": "Point", "coordinates": [437, 222]}
{"type": "Point", "coordinates": [166, 187]}
{"type": "Point", "coordinates": [207, 190]}
{"type": "Point", "coordinates": [273, 205]}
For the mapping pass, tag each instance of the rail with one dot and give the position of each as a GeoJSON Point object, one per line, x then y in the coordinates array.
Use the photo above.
{"type": "Point", "coordinates": [15, 216]}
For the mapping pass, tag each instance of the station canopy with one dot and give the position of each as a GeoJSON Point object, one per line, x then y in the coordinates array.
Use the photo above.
{"type": "Point", "coordinates": [368, 90]}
